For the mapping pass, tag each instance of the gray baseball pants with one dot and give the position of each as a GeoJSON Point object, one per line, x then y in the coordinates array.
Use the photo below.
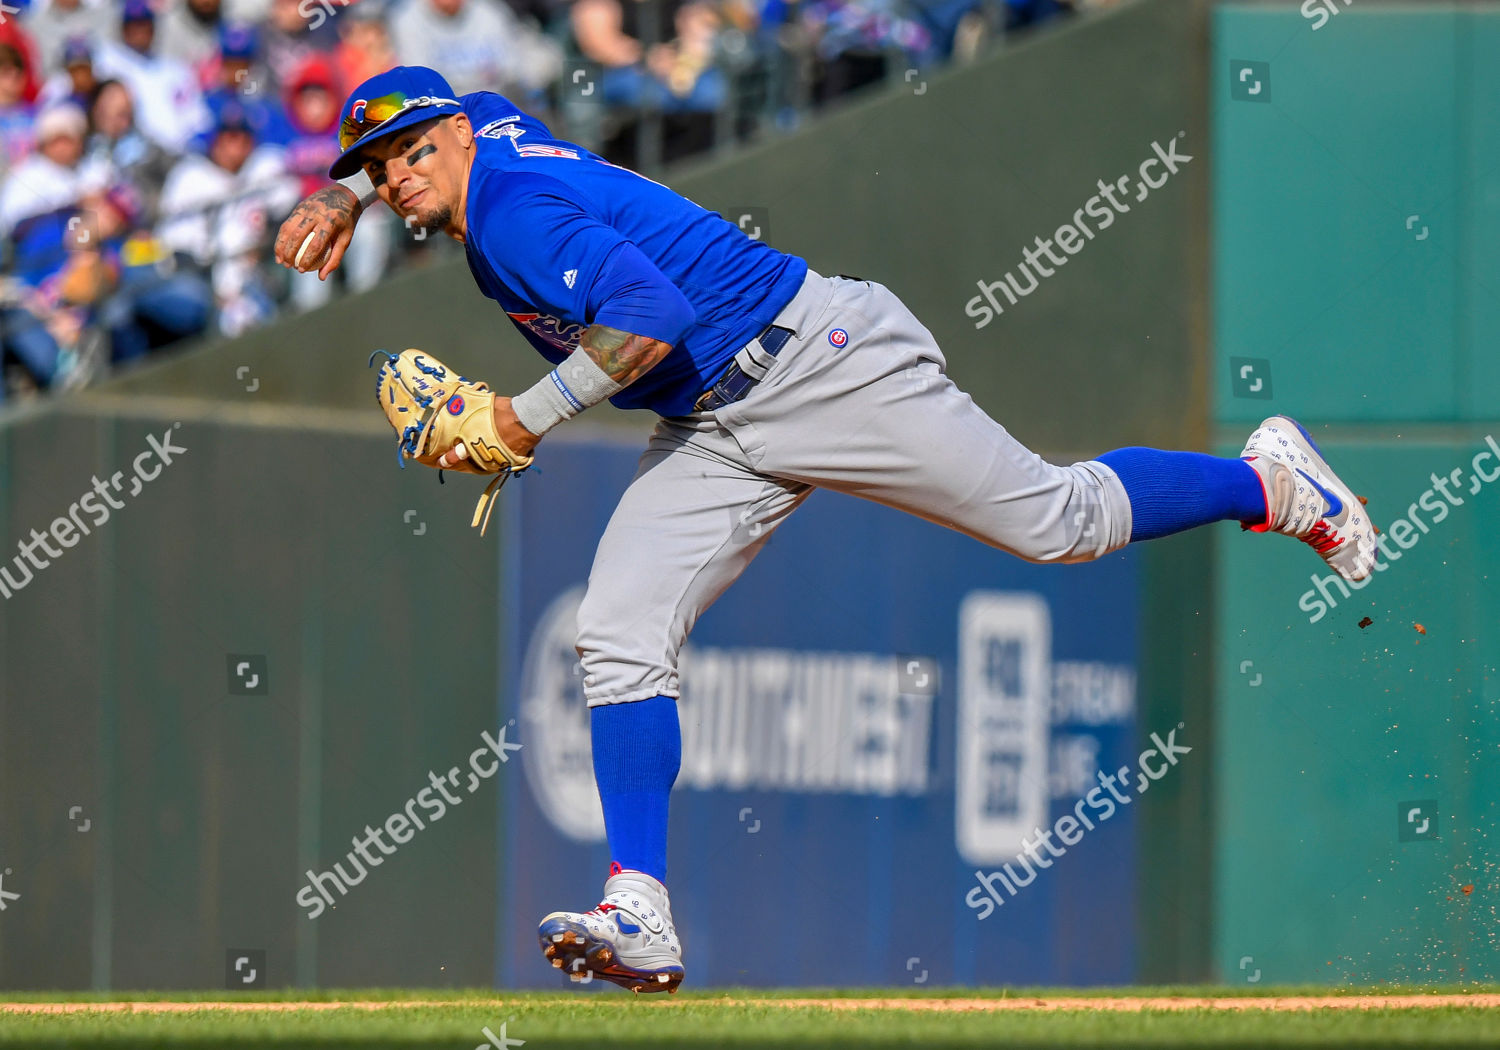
{"type": "Point", "coordinates": [877, 418]}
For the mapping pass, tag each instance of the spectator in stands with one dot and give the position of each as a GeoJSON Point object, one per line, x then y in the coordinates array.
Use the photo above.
{"type": "Point", "coordinates": [856, 38]}
{"type": "Point", "coordinates": [600, 33]}
{"type": "Point", "coordinates": [12, 35]}
{"type": "Point", "coordinates": [78, 67]}
{"type": "Point", "coordinates": [294, 31]}
{"type": "Point", "coordinates": [478, 44]}
{"type": "Point", "coordinates": [244, 82]}
{"type": "Point", "coordinates": [218, 209]}
{"type": "Point", "coordinates": [314, 98]}
{"type": "Point", "coordinates": [16, 116]}
{"type": "Point", "coordinates": [169, 108]}
{"type": "Point", "coordinates": [75, 82]}
{"type": "Point", "coordinates": [24, 338]}
{"type": "Point", "coordinates": [676, 76]}
{"type": "Point", "coordinates": [957, 28]}
{"type": "Point", "coordinates": [53, 178]}
{"type": "Point", "coordinates": [134, 163]}
{"type": "Point", "coordinates": [247, 12]}
{"type": "Point", "coordinates": [684, 66]}
{"type": "Point", "coordinates": [39, 216]}
{"type": "Point", "coordinates": [52, 23]}
{"type": "Point", "coordinates": [599, 30]}
{"type": "Point", "coordinates": [189, 33]}
{"type": "Point", "coordinates": [365, 44]}
{"type": "Point", "coordinates": [147, 297]}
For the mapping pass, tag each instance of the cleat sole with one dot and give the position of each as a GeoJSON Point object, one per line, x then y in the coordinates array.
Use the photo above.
{"type": "Point", "coordinates": [585, 959]}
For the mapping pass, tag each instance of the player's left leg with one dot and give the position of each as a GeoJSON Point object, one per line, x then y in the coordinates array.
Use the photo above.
{"type": "Point", "coordinates": [691, 521]}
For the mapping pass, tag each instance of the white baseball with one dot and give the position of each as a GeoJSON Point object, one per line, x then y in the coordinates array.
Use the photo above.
{"type": "Point", "coordinates": [297, 262]}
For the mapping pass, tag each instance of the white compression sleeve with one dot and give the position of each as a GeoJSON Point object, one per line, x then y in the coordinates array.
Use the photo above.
{"type": "Point", "coordinates": [360, 185]}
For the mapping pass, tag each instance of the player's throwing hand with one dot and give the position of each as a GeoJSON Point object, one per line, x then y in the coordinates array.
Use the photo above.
{"type": "Point", "coordinates": [317, 233]}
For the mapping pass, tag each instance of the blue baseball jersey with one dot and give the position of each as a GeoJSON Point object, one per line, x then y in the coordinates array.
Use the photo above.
{"type": "Point", "coordinates": [562, 240]}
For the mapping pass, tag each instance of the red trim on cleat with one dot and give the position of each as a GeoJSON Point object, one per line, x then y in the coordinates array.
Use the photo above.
{"type": "Point", "coordinates": [1264, 526]}
{"type": "Point", "coordinates": [1322, 538]}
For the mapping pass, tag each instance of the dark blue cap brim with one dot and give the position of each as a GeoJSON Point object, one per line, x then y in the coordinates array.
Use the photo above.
{"type": "Point", "coordinates": [349, 162]}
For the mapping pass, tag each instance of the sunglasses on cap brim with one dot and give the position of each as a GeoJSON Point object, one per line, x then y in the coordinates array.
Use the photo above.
{"type": "Point", "coordinates": [370, 115]}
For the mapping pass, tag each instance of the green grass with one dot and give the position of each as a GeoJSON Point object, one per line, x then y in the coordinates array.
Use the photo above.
{"type": "Point", "coordinates": [727, 1021]}
{"type": "Point", "coordinates": [608, 993]}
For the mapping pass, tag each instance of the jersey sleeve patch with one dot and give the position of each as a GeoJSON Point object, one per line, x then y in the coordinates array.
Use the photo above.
{"type": "Point", "coordinates": [505, 127]}
{"type": "Point", "coordinates": [541, 149]}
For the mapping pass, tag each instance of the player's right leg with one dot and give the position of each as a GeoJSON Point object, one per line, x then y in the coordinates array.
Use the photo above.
{"type": "Point", "coordinates": [688, 525]}
{"type": "Point", "coordinates": [860, 403]}
{"type": "Point", "coordinates": [1291, 488]}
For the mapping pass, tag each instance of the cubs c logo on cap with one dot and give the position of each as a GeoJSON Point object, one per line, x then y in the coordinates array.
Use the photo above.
{"type": "Point", "coordinates": [838, 337]}
{"type": "Point", "coordinates": [456, 404]}
{"type": "Point", "coordinates": [358, 112]}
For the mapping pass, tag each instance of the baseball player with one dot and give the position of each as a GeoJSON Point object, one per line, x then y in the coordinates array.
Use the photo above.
{"type": "Point", "coordinates": [772, 381]}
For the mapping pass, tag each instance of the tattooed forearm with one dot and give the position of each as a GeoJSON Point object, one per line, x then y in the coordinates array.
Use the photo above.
{"type": "Point", "coordinates": [332, 204]}
{"type": "Point", "coordinates": [622, 356]}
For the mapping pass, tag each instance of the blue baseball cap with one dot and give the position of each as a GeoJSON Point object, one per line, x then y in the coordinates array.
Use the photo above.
{"type": "Point", "coordinates": [76, 52]}
{"type": "Point", "coordinates": [388, 102]}
{"type": "Point", "coordinates": [237, 41]}
{"type": "Point", "coordinates": [137, 11]}
{"type": "Point", "coordinates": [234, 117]}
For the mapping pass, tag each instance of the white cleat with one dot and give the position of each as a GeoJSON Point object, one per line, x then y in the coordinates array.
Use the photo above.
{"type": "Point", "coordinates": [1306, 499]}
{"type": "Point", "coordinates": [628, 939]}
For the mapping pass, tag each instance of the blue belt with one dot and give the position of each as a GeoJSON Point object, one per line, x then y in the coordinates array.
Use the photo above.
{"type": "Point", "coordinates": [749, 367]}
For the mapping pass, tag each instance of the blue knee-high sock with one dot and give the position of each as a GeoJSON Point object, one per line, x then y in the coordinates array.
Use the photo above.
{"type": "Point", "coordinates": [637, 752]}
{"type": "Point", "coordinates": [1173, 491]}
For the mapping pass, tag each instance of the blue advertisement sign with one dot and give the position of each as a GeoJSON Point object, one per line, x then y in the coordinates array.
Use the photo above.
{"type": "Point", "coordinates": [893, 739]}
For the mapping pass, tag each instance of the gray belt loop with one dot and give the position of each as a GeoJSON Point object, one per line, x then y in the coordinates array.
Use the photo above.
{"type": "Point", "coordinates": [753, 360]}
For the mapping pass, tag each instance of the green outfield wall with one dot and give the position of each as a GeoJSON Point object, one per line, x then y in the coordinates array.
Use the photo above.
{"type": "Point", "coordinates": [372, 635]}
{"type": "Point", "coordinates": [1356, 203]}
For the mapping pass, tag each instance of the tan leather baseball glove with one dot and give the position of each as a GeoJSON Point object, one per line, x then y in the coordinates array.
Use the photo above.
{"type": "Point", "coordinates": [433, 408]}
